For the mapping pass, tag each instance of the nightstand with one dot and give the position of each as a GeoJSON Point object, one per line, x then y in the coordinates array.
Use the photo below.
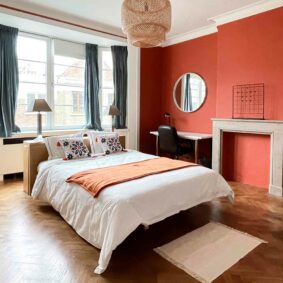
{"type": "Point", "coordinates": [34, 153]}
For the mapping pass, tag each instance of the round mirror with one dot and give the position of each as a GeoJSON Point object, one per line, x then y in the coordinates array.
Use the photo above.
{"type": "Point", "coordinates": [189, 92]}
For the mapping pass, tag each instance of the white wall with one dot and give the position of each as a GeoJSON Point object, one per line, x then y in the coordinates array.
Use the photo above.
{"type": "Point", "coordinates": [133, 96]}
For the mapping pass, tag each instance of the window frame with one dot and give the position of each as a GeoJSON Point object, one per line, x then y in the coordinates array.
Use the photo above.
{"type": "Point", "coordinates": [47, 40]}
{"type": "Point", "coordinates": [100, 68]}
{"type": "Point", "coordinates": [50, 83]}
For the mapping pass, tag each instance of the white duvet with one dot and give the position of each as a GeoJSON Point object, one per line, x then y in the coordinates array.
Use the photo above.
{"type": "Point", "coordinates": [107, 220]}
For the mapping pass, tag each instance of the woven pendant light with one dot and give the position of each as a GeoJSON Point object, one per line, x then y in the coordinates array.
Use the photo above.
{"type": "Point", "coordinates": [146, 22]}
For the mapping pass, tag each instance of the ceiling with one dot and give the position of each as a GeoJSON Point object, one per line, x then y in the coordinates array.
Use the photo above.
{"type": "Point", "coordinates": [188, 15]}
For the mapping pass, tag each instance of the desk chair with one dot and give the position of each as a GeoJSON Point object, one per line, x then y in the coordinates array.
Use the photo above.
{"type": "Point", "coordinates": [169, 142]}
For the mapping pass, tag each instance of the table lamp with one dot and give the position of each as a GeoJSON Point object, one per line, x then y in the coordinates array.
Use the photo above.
{"type": "Point", "coordinates": [113, 111]}
{"type": "Point", "coordinates": [167, 115]}
{"type": "Point", "coordinates": [39, 105]}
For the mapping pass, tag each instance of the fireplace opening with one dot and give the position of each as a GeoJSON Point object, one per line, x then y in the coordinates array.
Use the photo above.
{"type": "Point", "coordinates": [246, 158]}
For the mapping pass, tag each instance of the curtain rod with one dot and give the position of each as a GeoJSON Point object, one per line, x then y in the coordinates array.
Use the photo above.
{"type": "Point", "coordinates": [58, 20]}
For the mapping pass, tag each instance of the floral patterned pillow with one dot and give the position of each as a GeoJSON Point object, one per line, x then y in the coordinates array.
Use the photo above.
{"type": "Point", "coordinates": [74, 148]}
{"type": "Point", "coordinates": [110, 143]}
{"type": "Point", "coordinates": [54, 147]}
{"type": "Point", "coordinates": [95, 144]}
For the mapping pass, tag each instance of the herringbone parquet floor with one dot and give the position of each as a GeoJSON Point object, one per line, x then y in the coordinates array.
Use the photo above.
{"type": "Point", "coordinates": [36, 245]}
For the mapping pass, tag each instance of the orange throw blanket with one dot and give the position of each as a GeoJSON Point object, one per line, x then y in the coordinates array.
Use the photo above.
{"type": "Point", "coordinates": [95, 180]}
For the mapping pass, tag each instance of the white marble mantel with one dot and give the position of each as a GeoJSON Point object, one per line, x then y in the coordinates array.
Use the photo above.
{"type": "Point", "coordinates": [274, 128]}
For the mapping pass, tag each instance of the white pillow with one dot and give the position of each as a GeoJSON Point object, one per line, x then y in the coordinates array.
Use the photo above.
{"type": "Point", "coordinates": [54, 147]}
{"type": "Point", "coordinates": [95, 144]}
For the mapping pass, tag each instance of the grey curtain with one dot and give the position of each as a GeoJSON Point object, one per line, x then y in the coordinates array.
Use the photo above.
{"type": "Point", "coordinates": [9, 80]}
{"type": "Point", "coordinates": [188, 95]}
{"type": "Point", "coordinates": [120, 78]}
{"type": "Point", "coordinates": [92, 109]}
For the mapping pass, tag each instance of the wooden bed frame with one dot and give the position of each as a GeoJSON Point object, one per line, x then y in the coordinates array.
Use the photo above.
{"type": "Point", "coordinates": [36, 152]}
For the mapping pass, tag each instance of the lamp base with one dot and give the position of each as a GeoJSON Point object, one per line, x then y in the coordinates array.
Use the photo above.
{"type": "Point", "coordinates": [39, 124]}
{"type": "Point", "coordinates": [39, 138]}
{"type": "Point", "coordinates": [113, 121]}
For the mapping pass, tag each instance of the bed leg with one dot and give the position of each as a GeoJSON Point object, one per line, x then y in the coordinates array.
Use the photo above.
{"type": "Point", "coordinates": [145, 227]}
{"type": "Point", "coordinates": [231, 197]}
{"type": "Point", "coordinates": [99, 270]}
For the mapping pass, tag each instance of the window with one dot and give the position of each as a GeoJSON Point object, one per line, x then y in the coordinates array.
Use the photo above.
{"type": "Point", "coordinates": [78, 103]}
{"type": "Point", "coordinates": [68, 92]}
{"type": "Point", "coordinates": [54, 69]}
{"type": "Point", "coordinates": [32, 61]}
{"type": "Point", "coordinates": [107, 87]}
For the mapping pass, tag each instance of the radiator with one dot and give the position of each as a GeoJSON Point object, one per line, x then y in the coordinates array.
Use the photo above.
{"type": "Point", "coordinates": [11, 156]}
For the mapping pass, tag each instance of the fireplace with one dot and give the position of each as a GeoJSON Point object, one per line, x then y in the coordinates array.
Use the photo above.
{"type": "Point", "coordinates": [266, 127]}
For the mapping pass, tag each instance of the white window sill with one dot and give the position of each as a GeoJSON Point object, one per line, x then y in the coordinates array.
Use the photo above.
{"type": "Point", "coordinates": [59, 132]}
{"type": "Point", "coordinates": [45, 133]}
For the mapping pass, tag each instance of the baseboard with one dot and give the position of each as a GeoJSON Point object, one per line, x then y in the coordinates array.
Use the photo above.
{"type": "Point", "coordinates": [277, 191]}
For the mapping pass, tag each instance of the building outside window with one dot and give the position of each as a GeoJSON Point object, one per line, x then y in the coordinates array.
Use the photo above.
{"type": "Point", "coordinates": [69, 92]}
{"type": "Point", "coordinates": [78, 102]}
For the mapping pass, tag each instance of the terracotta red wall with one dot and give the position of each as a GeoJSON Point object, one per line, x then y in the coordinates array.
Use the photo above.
{"type": "Point", "coordinates": [150, 101]}
{"type": "Point", "coordinates": [160, 69]}
{"type": "Point", "coordinates": [250, 51]}
{"type": "Point", "coordinates": [246, 159]}
{"type": "Point", "coordinates": [198, 56]}
{"type": "Point", "coordinates": [246, 51]}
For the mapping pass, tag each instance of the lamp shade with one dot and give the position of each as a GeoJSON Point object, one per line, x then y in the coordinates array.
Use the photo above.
{"type": "Point", "coordinates": [146, 22]}
{"type": "Point", "coordinates": [114, 111]}
{"type": "Point", "coordinates": [39, 105]}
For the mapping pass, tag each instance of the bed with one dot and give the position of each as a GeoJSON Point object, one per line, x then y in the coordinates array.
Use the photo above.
{"type": "Point", "coordinates": [107, 220]}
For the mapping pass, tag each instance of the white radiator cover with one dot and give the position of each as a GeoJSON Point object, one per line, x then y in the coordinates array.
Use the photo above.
{"type": "Point", "coordinates": [11, 158]}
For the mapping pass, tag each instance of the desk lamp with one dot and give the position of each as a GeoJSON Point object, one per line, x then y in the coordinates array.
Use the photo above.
{"type": "Point", "coordinates": [39, 106]}
{"type": "Point", "coordinates": [167, 115]}
{"type": "Point", "coordinates": [114, 111]}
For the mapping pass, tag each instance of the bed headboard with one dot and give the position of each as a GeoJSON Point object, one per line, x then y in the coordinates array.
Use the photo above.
{"type": "Point", "coordinates": [36, 152]}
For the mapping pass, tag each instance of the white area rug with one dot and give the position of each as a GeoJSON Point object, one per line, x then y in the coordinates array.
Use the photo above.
{"type": "Point", "coordinates": [209, 251]}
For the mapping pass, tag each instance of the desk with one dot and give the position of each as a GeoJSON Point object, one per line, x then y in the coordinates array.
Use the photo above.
{"type": "Point", "coordinates": [196, 137]}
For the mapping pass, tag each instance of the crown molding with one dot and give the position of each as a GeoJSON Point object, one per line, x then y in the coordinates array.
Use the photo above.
{"type": "Point", "coordinates": [246, 11]}
{"type": "Point", "coordinates": [206, 30]}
